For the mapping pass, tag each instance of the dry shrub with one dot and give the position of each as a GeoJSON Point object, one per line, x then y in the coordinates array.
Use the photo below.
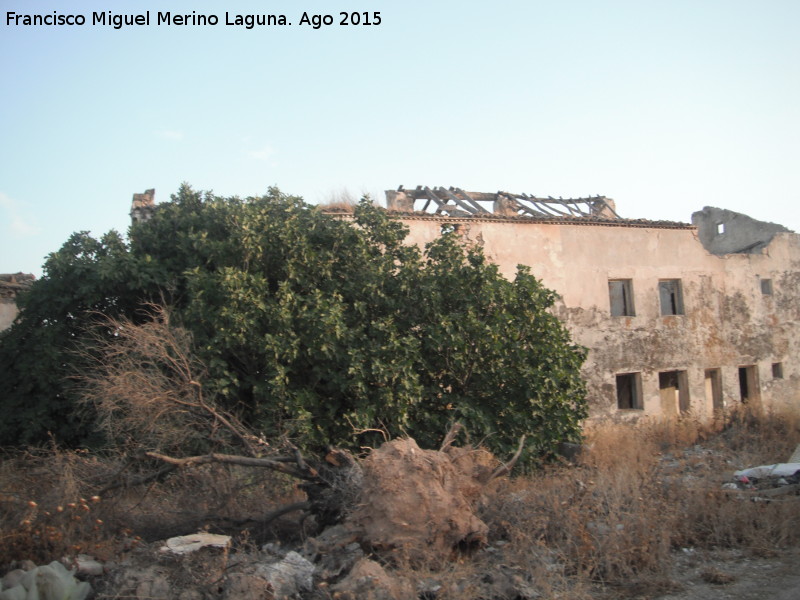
{"type": "Point", "coordinates": [342, 200]}
{"type": "Point", "coordinates": [602, 519]}
{"type": "Point", "coordinates": [715, 518]}
{"type": "Point", "coordinates": [220, 498]}
{"type": "Point", "coordinates": [640, 491]}
{"type": "Point", "coordinates": [754, 436]}
{"type": "Point", "coordinates": [146, 388]}
{"type": "Point", "coordinates": [615, 448]}
{"type": "Point", "coordinates": [52, 505]}
{"type": "Point", "coordinates": [636, 494]}
{"type": "Point", "coordinates": [338, 207]}
{"type": "Point", "coordinates": [48, 509]}
{"type": "Point", "coordinates": [670, 434]}
{"type": "Point", "coordinates": [717, 577]}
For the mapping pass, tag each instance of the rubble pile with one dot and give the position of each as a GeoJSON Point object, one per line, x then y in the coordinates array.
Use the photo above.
{"type": "Point", "coordinates": [414, 505]}
{"type": "Point", "coordinates": [768, 481]}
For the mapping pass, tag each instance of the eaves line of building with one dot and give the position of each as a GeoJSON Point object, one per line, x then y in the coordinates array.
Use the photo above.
{"type": "Point", "coordinates": [420, 216]}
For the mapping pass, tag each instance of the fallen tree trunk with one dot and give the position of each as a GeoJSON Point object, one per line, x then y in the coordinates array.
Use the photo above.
{"type": "Point", "coordinates": [280, 465]}
{"type": "Point", "coordinates": [332, 484]}
{"type": "Point", "coordinates": [399, 497]}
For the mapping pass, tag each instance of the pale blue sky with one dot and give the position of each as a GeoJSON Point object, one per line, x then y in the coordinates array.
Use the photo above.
{"type": "Point", "coordinates": [664, 106]}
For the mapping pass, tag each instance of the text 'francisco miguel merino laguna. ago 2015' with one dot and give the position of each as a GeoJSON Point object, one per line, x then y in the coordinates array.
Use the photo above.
{"type": "Point", "coordinates": [118, 21]}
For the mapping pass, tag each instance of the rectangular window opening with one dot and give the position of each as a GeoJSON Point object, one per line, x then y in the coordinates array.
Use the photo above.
{"type": "Point", "coordinates": [451, 228]}
{"type": "Point", "coordinates": [714, 389]}
{"type": "Point", "coordinates": [766, 287]}
{"type": "Point", "coordinates": [720, 228]}
{"type": "Point", "coordinates": [671, 295]}
{"type": "Point", "coordinates": [674, 389]}
{"type": "Point", "coordinates": [620, 294]}
{"type": "Point", "coordinates": [629, 391]}
{"type": "Point", "coordinates": [749, 389]}
{"type": "Point", "coordinates": [777, 370]}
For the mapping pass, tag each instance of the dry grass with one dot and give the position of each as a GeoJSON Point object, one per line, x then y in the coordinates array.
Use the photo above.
{"type": "Point", "coordinates": [338, 207]}
{"type": "Point", "coordinates": [615, 518]}
{"type": "Point", "coordinates": [597, 518]}
{"type": "Point", "coordinates": [640, 492]}
{"type": "Point", "coordinates": [341, 201]}
{"type": "Point", "coordinates": [46, 510]}
{"type": "Point", "coordinates": [52, 505]}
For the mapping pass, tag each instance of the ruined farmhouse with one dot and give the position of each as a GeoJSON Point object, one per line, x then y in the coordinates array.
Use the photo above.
{"type": "Point", "coordinates": [678, 318]}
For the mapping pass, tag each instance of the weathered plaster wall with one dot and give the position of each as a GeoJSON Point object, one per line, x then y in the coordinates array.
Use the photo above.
{"type": "Point", "coordinates": [143, 206]}
{"type": "Point", "coordinates": [728, 322]}
{"type": "Point", "coordinates": [10, 286]}
{"type": "Point", "coordinates": [8, 312]}
{"type": "Point", "coordinates": [724, 231]}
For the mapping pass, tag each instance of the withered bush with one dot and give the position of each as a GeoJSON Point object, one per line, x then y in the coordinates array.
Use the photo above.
{"type": "Point", "coordinates": [146, 388]}
{"type": "Point", "coordinates": [48, 509]}
{"type": "Point", "coordinates": [641, 491]}
{"type": "Point", "coordinates": [753, 435]}
{"type": "Point", "coordinates": [715, 518]}
{"type": "Point", "coordinates": [56, 504]}
{"type": "Point", "coordinates": [602, 519]}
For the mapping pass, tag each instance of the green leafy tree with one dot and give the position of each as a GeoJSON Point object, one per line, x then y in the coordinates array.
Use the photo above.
{"type": "Point", "coordinates": [316, 327]}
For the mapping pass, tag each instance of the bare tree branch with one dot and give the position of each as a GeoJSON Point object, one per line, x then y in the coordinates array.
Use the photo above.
{"type": "Point", "coordinates": [451, 436]}
{"type": "Point", "coordinates": [118, 482]}
{"type": "Point", "coordinates": [147, 386]}
{"type": "Point", "coordinates": [506, 468]}
{"type": "Point", "coordinates": [309, 473]}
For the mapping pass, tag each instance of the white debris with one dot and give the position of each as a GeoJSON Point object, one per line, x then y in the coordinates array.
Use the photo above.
{"type": "Point", "coordinates": [87, 565]}
{"type": "Point", "coordinates": [289, 577]}
{"type": "Point", "coordinates": [186, 544]}
{"type": "Point", "coordinates": [777, 470]}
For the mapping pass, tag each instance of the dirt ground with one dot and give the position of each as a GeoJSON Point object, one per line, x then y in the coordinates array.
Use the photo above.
{"type": "Point", "coordinates": [697, 575]}
{"type": "Point", "coordinates": [424, 503]}
{"type": "Point", "coordinates": [736, 575]}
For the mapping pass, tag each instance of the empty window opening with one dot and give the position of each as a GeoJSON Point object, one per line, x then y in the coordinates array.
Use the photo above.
{"type": "Point", "coordinates": [749, 390]}
{"type": "Point", "coordinates": [720, 228]}
{"type": "Point", "coordinates": [714, 389]}
{"type": "Point", "coordinates": [766, 287]}
{"type": "Point", "coordinates": [674, 389]}
{"type": "Point", "coordinates": [777, 370]}
{"type": "Point", "coordinates": [629, 391]}
{"type": "Point", "coordinates": [450, 228]}
{"type": "Point", "coordinates": [620, 294]}
{"type": "Point", "coordinates": [669, 290]}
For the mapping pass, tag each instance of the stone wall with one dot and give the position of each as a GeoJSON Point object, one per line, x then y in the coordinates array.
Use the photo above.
{"type": "Point", "coordinates": [738, 334]}
{"type": "Point", "coordinates": [724, 231]}
{"type": "Point", "coordinates": [10, 286]}
{"type": "Point", "coordinates": [143, 206]}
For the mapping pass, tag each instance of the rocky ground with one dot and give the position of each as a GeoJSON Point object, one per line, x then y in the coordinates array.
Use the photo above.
{"type": "Point", "coordinates": [426, 525]}
{"type": "Point", "coordinates": [212, 573]}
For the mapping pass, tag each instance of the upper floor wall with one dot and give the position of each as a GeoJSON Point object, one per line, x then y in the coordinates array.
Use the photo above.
{"type": "Point", "coordinates": [652, 300]}
{"type": "Point", "coordinates": [724, 231]}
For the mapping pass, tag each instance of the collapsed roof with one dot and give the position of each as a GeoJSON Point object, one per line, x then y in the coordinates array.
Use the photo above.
{"type": "Point", "coordinates": [455, 202]}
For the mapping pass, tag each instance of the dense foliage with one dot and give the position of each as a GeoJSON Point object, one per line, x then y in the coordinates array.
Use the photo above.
{"type": "Point", "coordinates": [311, 326]}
